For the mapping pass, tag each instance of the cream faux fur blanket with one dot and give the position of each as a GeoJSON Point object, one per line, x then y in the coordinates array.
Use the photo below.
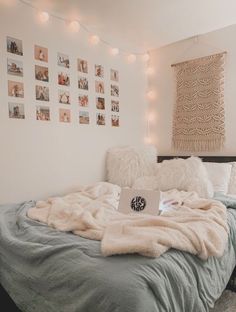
{"type": "Point", "coordinates": [197, 226]}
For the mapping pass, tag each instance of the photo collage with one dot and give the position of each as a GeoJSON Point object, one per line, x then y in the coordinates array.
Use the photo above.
{"type": "Point", "coordinates": [16, 87]}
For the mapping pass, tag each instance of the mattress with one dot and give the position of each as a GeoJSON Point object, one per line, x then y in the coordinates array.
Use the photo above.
{"type": "Point", "coordinates": [44, 269]}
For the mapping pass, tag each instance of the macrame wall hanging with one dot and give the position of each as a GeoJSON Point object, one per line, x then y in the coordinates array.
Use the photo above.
{"type": "Point", "coordinates": [199, 115]}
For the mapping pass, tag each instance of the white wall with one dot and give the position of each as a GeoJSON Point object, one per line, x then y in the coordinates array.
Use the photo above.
{"type": "Point", "coordinates": [164, 84]}
{"type": "Point", "coordinates": [38, 158]}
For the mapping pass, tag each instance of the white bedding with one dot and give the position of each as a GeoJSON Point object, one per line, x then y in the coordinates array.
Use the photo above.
{"type": "Point", "coordinates": [198, 226]}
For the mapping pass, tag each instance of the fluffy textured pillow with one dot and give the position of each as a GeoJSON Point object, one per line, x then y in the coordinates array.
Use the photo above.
{"type": "Point", "coordinates": [232, 183]}
{"type": "Point", "coordinates": [182, 174]}
{"type": "Point", "coordinates": [125, 164]}
{"type": "Point", "coordinates": [219, 174]}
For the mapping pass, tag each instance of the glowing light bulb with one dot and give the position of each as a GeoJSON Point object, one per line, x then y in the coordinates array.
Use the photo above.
{"type": "Point", "coordinates": [151, 117]}
{"type": "Point", "coordinates": [114, 51]}
{"type": "Point", "coordinates": [146, 57]}
{"type": "Point", "coordinates": [94, 39]}
{"type": "Point", "coordinates": [74, 26]}
{"type": "Point", "coordinates": [43, 16]}
{"type": "Point", "coordinates": [151, 95]}
{"type": "Point", "coordinates": [150, 71]}
{"type": "Point", "coordinates": [147, 140]}
{"type": "Point", "coordinates": [131, 58]}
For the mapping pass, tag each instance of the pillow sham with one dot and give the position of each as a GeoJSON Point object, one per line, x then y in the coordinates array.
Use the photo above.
{"type": "Point", "coordinates": [232, 182]}
{"type": "Point", "coordinates": [219, 174]}
{"type": "Point", "coordinates": [125, 164]}
{"type": "Point", "coordinates": [183, 174]}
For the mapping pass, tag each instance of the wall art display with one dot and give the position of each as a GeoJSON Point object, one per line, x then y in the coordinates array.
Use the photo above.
{"type": "Point", "coordinates": [100, 103]}
{"type": "Point", "coordinates": [114, 75]}
{"type": "Point", "coordinates": [83, 83]}
{"type": "Point", "coordinates": [84, 117]}
{"type": "Point", "coordinates": [114, 90]}
{"type": "Point", "coordinates": [42, 93]}
{"type": "Point", "coordinates": [101, 119]}
{"type": "Point", "coordinates": [82, 66]}
{"type": "Point", "coordinates": [115, 106]}
{"type": "Point", "coordinates": [63, 60]}
{"type": "Point", "coordinates": [63, 79]}
{"type": "Point", "coordinates": [63, 97]}
{"type": "Point", "coordinates": [41, 73]}
{"type": "Point", "coordinates": [99, 71]}
{"type": "Point", "coordinates": [99, 86]}
{"type": "Point", "coordinates": [40, 53]}
{"type": "Point", "coordinates": [83, 100]}
{"type": "Point", "coordinates": [199, 114]}
{"type": "Point", "coordinates": [16, 110]}
{"type": "Point", "coordinates": [64, 115]}
{"type": "Point", "coordinates": [15, 67]}
{"type": "Point", "coordinates": [43, 113]}
{"type": "Point", "coordinates": [15, 89]}
{"type": "Point", "coordinates": [14, 46]}
{"type": "Point", "coordinates": [115, 122]}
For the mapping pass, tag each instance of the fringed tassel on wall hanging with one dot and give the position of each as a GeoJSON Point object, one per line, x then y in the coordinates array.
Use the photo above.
{"type": "Point", "coordinates": [199, 115]}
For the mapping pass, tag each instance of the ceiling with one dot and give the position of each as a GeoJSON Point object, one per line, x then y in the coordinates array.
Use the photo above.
{"type": "Point", "coordinates": [139, 25]}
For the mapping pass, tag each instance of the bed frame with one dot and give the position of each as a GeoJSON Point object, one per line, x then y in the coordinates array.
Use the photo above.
{"type": "Point", "coordinates": [218, 159]}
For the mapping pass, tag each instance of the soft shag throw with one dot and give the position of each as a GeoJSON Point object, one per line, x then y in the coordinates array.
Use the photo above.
{"type": "Point", "coordinates": [199, 115]}
{"type": "Point", "coordinates": [197, 226]}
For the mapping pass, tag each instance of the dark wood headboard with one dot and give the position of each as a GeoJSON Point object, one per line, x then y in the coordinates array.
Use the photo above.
{"type": "Point", "coordinates": [218, 159]}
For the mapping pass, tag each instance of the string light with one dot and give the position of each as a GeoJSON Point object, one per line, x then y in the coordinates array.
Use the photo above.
{"type": "Point", "coordinates": [94, 39]}
{"type": "Point", "coordinates": [74, 26]}
{"type": "Point", "coordinates": [43, 16]}
{"type": "Point", "coordinates": [131, 58]}
{"type": "Point", "coordinates": [114, 51]}
{"type": "Point", "coordinates": [150, 71]}
{"type": "Point", "coordinates": [151, 95]}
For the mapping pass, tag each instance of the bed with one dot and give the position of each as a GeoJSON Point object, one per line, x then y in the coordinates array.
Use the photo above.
{"type": "Point", "coordinates": [43, 269]}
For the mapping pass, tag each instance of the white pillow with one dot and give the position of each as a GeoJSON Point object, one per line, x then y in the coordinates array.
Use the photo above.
{"type": "Point", "coordinates": [125, 164]}
{"type": "Point", "coordinates": [219, 174]}
{"type": "Point", "coordinates": [182, 174]}
{"type": "Point", "coordinates": [232, 182]}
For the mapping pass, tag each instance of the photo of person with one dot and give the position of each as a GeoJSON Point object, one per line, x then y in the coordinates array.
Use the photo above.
{"type": "Point", "coordinates": [63, 60]}
{"type": "Point", "coordinates": [64, 115]}
{"type": "Point", "coordinates": [115, 122]}
{"type": "Point", "coordinates": [82, 66]}
{"type": "Point", "coordinates": [40, 53]}
{"type": "Point", "coordinates": [99, 86]}
{"type": "Point", "coordinates": [41, 73]}
{"type": "Point", "coordinates": [114, 75]}
{"type": "Point", "coordinates": [84, 118]}
{"type": "Point", "coordinates": [63, 97]}
{"type": "Point", "coordinates": [99, 71]}
{"type": "Point", "coordinates": [42, 113]}
{"type": "Point", "coordinates": [100, 103]}
{"type": "Point", "coordinates": [83, 100]}
{"type": "Point", "coordinates": [14, 46]}
{"type": "Point", "coordinates": [114, 90]}
{"type": "Point", "coordinates": [16, 110]}
{"type": "Point", "coordinates": [63, 79]}
{"type": "Point", "coordinates": [115, 106]}
{"type": "Point", "coordinates": [15, 67]}
{"type": "Point", "coordinates": [15, 89]}
{"type": "Point", "coordinates": [42, 93]}
{"type": "Point", "coordinates": [101, 119]}
{"type": "Point", "coordinates": [83, 83]}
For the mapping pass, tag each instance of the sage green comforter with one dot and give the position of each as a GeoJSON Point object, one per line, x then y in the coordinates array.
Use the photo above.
{"type": "Point", "coordinates": [45, 270]}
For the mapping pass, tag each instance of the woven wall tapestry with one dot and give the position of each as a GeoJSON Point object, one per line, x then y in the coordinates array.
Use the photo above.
{"type": "Point", "coordinates": [199, 115]}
